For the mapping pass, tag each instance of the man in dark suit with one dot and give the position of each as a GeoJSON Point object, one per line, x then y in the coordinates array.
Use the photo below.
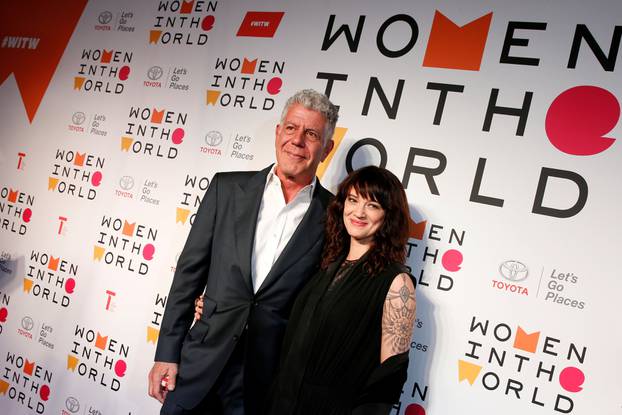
{"type": "Point", "coordinates": [255, 241]}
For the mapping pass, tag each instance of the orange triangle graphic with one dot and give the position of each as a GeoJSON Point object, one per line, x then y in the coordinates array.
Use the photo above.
{"type": "Point", "coordinates": [152, 335]}
{"type": "Point", "coordinates": [34, 58]}
{"type": "Point", "coordinates": [248, 67]}
{"type": "Point", "coordinates": [128, 228]}
{"type": "Point", "coordinates": [53, 264]}
{"type": "Point", "coordinates": [126, 143]}
{"type": "Point", "coordinates": [338, 135]}
{"type": "Point", "coordinates": [79, 160]}
{"type": "Point", "coordinates": [154, 36]}
{"type": "Point", "coordinates": [186, 7]}
{"type": "Point", "coordinates": [52, 182]}
{"type": "Point", "coordinates": [28, 366]}
{"type": "Point", "coordinates": [212, 96]}
{"type": "Point", "coordinates": [106, 56]}
{"type": "Point", "coordinates": [98, 252]}
{"type": "Point", "coordinates": [526, 342]}
{"type": "Point", "coordinates": [100, 341]}
{"type": "Point", "coordinates": [457, 47]}
{"type": "Point", "coordinates": [156, 116]}
{"type": "Point", "coordinates": [416, 230]}
{"type": "Point", "coordinates": [72, 362]}
{"type": "Point", "coordinates": [78, 81]}
{"type": "Point", "coordinates": [468, 371]}
{"type": "Point", "coordinates": [182, 215]}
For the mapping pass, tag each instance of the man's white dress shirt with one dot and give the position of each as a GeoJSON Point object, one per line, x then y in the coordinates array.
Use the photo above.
{"type": "Point", "coordinates": [276, 224]}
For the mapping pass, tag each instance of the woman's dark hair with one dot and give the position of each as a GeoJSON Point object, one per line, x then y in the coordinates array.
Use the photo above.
{"type": "Point", "coordinates": [380, 185]}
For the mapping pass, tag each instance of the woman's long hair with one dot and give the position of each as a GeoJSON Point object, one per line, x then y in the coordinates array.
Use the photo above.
{"type": "Point", "coordinates": [380, 185]}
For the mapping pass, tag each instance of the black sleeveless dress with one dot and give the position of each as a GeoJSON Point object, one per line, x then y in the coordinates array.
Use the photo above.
{"type": "Point", "coordinates": [330, 361]}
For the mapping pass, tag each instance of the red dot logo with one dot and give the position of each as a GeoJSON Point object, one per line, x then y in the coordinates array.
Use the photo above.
{"type": "Point", "coordinates": [578, 119]}
{"type": "Point", "coordinates": [452, 260]}
{"type": "Point", "coordinates": [4, 313]}
{"type": "Point", "coordinates": [119, 368]}
{"type": "Point", "coordinates": [208, 23]}
{"type": "Point", "coordinates": [178, 135]}
{"type": "Point", "coordinates": [44, 392]}
{"type": "Point", "coordinates": [148, 252]}
{"type": "Point", "coordinates": [571, 379]}
{"type": "Point", "coordinates": [414, 409]}
{"type": "Point", "coordinates": [26, 215]}
{"type": "Point", "coordinates": [124, 73]}
{"type": "Point", "coordinates": [96, 178]}
{"type": "Point", "coordinates": [70, 285]}
{"type": "Point", "coordinates": [274, 85]}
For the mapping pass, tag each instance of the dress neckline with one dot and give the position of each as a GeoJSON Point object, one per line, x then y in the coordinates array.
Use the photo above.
{"type": "Point", "coordinates": [343, 271]}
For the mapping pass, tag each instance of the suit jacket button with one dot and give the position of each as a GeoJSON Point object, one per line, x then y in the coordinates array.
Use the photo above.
{"type": "Point", "coordinates": [235, 338]}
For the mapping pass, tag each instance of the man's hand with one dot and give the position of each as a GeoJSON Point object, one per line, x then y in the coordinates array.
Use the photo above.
{"type": "Point", "coordinates": [162, 379]}
{"type": "Point", "coordinates": [198, 307]}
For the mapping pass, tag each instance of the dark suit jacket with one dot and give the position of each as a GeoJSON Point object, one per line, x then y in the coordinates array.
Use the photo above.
{"type": "Point", "coordinates": [217, 259]}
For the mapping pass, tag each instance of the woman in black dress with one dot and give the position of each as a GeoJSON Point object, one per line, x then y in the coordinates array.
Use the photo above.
{"type": "Point", "coordinates": [347, 340]}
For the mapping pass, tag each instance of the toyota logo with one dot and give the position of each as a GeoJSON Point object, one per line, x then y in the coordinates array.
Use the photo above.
{"type": "Point", "coordinates": [78, 118]}
{"type": "Point", "coordinates": [126, 182]}
{"type": "Point", "coordinates": [104, 17]}
{"type": "Point", "coordinates": [72, 404]}
{"type": "Point", "coordinates": [27, 323]}
{"type": "Point", "coordinates": [513, 270]}
{"type": "Point", "coordinates": [154, 73]}
{"type": "Point", "coordinates": [213, 138]}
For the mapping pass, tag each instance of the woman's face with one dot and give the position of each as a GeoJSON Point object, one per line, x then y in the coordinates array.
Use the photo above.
{"type": "Point", "coordinates": [362, 217]}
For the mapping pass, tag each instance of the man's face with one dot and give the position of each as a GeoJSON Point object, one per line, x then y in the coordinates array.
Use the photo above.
{"type": "Point", "coordinates": [300, 143]}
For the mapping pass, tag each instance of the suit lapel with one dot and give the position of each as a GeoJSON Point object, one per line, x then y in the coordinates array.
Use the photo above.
{"type": "Point", "coordinates": [248, 200]}
{"type": "Point", "coordinates": [305, 236]}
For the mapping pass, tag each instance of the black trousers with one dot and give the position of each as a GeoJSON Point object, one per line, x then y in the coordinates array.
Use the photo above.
{"type": "Point", "coordinates": [226, 396]}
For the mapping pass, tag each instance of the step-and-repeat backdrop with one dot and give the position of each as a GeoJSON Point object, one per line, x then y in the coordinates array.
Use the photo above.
{"type": "Point", "coordinates": [500, 118]}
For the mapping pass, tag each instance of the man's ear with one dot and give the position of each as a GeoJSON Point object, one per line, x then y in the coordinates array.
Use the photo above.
{"type": "Point", "coordinates": [327, 149]}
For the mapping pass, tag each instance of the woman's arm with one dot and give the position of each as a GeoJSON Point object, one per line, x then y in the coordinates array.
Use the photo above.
{"type": "Point", "coordinates": [398, 317]}
{"type": "Point", "coordinates": [384, 386]}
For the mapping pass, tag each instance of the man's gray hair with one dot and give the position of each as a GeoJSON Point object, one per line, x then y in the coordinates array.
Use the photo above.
{"type": "Point", "coordinates": [315, 101]}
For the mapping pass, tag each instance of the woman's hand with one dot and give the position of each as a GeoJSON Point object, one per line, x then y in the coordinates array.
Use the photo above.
{"type": "Point", "coordinates": [198, 307]}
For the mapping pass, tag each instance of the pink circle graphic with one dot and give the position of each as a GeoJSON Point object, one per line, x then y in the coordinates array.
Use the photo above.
{"type": "Point", "coordinates": [26, 215]}
{"type": "Point", "coordinates": [96, 178]}
{"type": "Point", "coordinates": [119, 368]}
{"type": "Point", "coordinates": [70, 285]}
{"type": "Point", "coordinates": [148, 252]}
{"type": "Point", "coordinates": [452, 260]}
{"type": "Point", "coordinates": [178, 135]}
{"type": "Point", "coordinates": [44, 392]}
{"type": "Point", "coordinates": [208, 23]}
{"type": "Point", "coordinates": [274, 85]}
{"type": "Point", "coordinates": [571, 379]}
{"type": "Point", "coordinates": [414, 409]}
{"type": "Point", "coordinates": [124, 73]}
{"type": "Point", "coordinates": [4, 313]}
{"type": "Point", "coordinates": [578, 119]}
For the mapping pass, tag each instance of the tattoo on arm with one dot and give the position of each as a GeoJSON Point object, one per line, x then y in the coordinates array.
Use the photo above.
{"type": "Point", "coordinates": [398, 315]}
